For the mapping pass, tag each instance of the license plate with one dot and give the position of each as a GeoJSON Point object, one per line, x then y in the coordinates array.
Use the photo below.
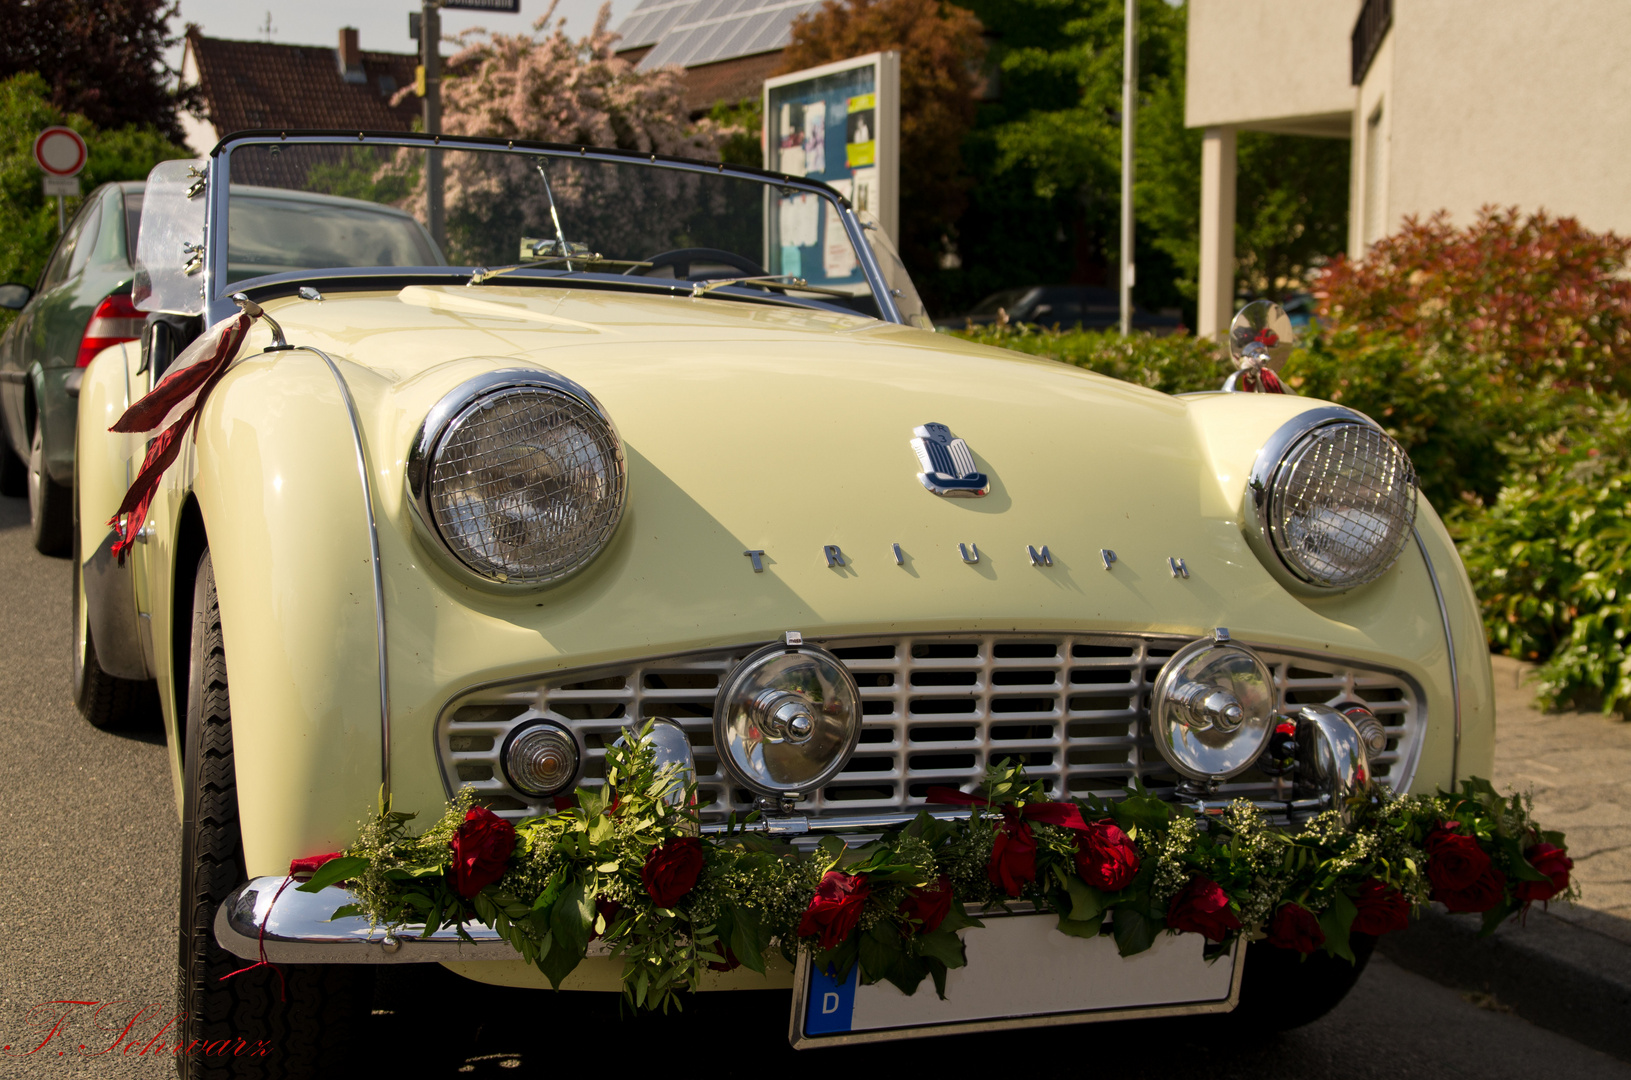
{"type": "Point", "coordinates": [1022, 972]}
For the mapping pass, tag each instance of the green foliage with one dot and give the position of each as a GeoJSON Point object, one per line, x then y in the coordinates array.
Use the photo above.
{"type": "Point", "coordinates": [743, 123]}
{"type": "Point", "coordinates": [1173, 365]}
{"type": "Point", "coordinates": [576, 875]}
{"type": "Point", "coordinates": [28, 220]}
{"type": "Point", "coordinates": [1550, 559]}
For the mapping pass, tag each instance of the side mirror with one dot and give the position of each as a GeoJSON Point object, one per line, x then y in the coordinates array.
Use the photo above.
{"type": "Point", "coordinates": [1261, 338]}
{"type": "Point", "coordinates": [14, 297]}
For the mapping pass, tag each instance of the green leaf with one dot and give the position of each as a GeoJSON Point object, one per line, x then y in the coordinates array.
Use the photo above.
{"type": "Point", "coordinates": [1088, 928]}
{"type": "Point", "coordinates": [1086, 903]}
{"type": "Point", "coordinates": [1495, 916]}
{"type": "Point", "coordinates": [748, 938]}
{"type": "Point", "coordinates": [1134, 930]}
{"type": "Point", "coordinates": [958, 918]}
{"type": "Point", "coordinates": [944, 946]}
{"type": "Point", "coordinates": [334, 871]}
{"type": "Point", "coordinates": [346, 911]}
{"type": "Point", "coordinates": [569, 923]}
{"type": "Point", "coordinates": [1336, 923]}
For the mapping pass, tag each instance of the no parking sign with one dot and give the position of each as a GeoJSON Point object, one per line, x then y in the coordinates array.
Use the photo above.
{"type": "Point", "coordinates": [61, 153]}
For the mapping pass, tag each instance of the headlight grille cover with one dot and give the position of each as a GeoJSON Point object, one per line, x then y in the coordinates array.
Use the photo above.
{"type": "Point", "coordinates": [527, 484]}
{"type": "Point", "coordinates": [1341, 505]}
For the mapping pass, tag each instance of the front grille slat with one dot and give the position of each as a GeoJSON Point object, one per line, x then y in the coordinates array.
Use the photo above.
{"type": "Point", "coordinates": [937, 710]}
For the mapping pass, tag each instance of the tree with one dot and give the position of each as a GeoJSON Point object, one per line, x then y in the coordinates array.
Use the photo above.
{"type": "Point", "coordinates": [101, 59]}
{"type": "Point", "coordinates": [28, 220]}
{"type": "Point", "coordinates": [941, 51]}
{"type": "Point", "coordinates": [1047, 154]}
{"type": "Point", "coordinates": [555, 89]}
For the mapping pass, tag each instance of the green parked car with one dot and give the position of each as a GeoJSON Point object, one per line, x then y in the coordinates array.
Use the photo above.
{"type": "Point", "coordinates": [80, 306]}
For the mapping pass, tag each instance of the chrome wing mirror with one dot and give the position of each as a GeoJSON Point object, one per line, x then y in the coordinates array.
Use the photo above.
{"type": "Point", "coordinates": [1260, 339]}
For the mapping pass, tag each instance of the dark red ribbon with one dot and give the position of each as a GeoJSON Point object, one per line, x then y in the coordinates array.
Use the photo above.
{"type": "Point", "coordinates": [1064, 815]}
{"type": "Point", "coordinates": [197, 370]}
{"type": "Point", "coordinates": [299, 869]}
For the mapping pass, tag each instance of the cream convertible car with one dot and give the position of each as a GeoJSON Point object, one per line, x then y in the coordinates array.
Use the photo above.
{"type": "Point", "coordinates": [537, 442]}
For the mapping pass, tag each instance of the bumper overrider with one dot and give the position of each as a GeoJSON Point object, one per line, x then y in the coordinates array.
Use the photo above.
{"type": "Point", "coordinates": [997, 908]}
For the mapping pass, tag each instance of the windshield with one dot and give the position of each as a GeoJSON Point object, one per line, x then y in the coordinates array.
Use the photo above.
{"type": "Point", "coordinates": [542, 215]}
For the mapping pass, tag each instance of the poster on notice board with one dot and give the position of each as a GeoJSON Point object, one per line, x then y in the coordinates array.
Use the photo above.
{"type": "Point", "coordinates": [840, 124]}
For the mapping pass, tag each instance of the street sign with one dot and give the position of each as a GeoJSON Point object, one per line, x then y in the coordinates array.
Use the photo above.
{"type": "Point", "coordinates": [60, 151]}
{"type": "Point", "coordinates": [62, 185]}
{"type": "Point", "coordinates": [508, 7]}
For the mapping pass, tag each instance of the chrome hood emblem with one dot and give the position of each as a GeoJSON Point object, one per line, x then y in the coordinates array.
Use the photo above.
{"type": "Point", "coordinates": [948, 464]}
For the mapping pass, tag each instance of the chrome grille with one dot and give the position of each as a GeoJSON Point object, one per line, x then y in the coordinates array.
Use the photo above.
{"type": "Point", "coordinates": [937, 710]}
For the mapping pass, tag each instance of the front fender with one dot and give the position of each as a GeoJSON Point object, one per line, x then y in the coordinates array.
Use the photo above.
{"type": "Point", "coordinates": [283, 506]}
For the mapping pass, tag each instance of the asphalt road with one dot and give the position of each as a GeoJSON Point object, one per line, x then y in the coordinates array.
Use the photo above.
{"type": "Point", "coordinates": [88, 853]}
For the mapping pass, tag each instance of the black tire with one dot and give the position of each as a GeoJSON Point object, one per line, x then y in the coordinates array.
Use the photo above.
{"type": "Point", "coordinates": [107, 701]}
{"type": "Point", "coordinates": [13, 470]}
{"type": "Point", "coordinates": [50, 505]}
{"type": "Point", "coordinates": [1281, 990]}
{"type": "Point", "coordinates": [307, 1022]}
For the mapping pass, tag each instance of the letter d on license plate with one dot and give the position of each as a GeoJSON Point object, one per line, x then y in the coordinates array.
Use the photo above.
{"type": "Point", "coordinates": [1022, 972]}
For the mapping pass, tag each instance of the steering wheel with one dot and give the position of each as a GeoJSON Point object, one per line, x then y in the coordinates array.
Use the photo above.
{"type": "Point", "coordinates": [680, 260]}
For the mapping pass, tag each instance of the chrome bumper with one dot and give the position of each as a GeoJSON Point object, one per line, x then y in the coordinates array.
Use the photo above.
{"type": "Point", "coordinates": [297, 930]}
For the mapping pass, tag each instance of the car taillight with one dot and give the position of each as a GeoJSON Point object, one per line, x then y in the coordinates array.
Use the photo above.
{"type": "Point", "coordinates": [115, 320]}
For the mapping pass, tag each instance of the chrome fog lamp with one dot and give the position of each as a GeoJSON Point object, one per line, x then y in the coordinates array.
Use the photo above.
{"type": "Point", "coordinates": [1212, 709]}
{"type": "Point", "coordinates": [519, 477]}
{"type": "Point", "coordinates": [1333, 757]}
{"type": "Point", "coordinates": [787, 720]}
{"type": "Point", "coordinates": [541, 759]}
{"type": "Point", "coordinates": [1331, 501]}
{"type": "Point", "coordinates": [669, 747]}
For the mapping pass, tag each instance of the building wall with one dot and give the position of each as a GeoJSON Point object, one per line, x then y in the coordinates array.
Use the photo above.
{"type": "Point", "coordinates": [1270, 65]}
{"type": "Point", "coordinates": [1506, 102]}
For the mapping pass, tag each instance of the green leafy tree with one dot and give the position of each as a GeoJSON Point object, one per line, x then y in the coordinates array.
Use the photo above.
{"type": "Point", "coordinates": [28, 220]}
{"type": "Point", "coordinates": [1046, 152]}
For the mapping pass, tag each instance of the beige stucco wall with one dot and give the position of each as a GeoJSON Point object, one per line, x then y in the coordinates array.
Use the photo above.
{"type": "Point", "coordinates": [1270, 65]}
{"type": "Point", "coordinates": [1511, 102]}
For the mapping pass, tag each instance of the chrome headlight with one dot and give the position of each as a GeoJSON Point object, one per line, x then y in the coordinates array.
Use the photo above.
{"type": "Point", "coordinates": [787, 720]}
{"type": "Point", "coordinates": [519, 476]}
{"type": "Point", "coordinates": [1212, 709]}
{"type": "Point", "coordinates": [1331, 500]}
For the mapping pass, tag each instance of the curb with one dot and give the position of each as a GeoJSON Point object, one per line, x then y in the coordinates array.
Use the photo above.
{"type": "Point", "coordinates": [1569, 974]}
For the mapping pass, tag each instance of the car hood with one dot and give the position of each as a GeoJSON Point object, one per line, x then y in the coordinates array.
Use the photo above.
{"type": "Point", "coordinates": [752, 427]}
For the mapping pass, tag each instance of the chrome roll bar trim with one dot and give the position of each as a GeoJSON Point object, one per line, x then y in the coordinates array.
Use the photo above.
{"type": "Point", "coordinates": [1449, 645]}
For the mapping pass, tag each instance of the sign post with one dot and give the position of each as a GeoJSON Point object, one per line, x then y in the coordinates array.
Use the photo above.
{"type": "Point", "coordinates": [61, 153]}
{"type": "Point", "coordinates": [429, 85]}
{"type": "Point", "coordinates": [838, 123]}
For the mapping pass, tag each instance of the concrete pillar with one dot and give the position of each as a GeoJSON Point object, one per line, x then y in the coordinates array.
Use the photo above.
{"type": "Point", "coordinates": [1217, 284]}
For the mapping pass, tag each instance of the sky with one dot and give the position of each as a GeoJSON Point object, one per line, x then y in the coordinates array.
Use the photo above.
{"type": "Point", "coordinates": [381, 24]}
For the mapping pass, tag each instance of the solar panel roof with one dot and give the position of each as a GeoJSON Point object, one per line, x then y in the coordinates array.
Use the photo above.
{"type": "Point", "coordinates": [692, 32]}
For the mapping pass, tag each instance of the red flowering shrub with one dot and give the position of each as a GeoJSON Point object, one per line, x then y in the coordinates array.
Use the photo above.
{"type": "Point", "coordinates": [1540, 298]}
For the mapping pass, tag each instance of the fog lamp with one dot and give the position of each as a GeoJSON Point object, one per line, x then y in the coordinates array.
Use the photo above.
{"type": "Point", "coordinates": [787, 719]}
{"type": "Point", "coordinates": [541, 759]}
{"type": "Point", "coordinates": [1212, 709]}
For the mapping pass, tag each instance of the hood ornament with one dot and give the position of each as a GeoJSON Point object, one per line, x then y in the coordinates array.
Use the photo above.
{"type": "Point", "coordinates": [948, 464]}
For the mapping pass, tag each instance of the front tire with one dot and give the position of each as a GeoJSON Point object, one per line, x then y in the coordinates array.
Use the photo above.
{"type": "Point", "coordinates": [50, 507]}
{"type": "Point", "coordinates": [304, 1023]}
{"type": "Point", "coordinates": [1281, 990]}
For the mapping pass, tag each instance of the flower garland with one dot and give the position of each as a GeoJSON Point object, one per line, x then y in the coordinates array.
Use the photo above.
{"type": "Point", "coordinates": [623, 864]}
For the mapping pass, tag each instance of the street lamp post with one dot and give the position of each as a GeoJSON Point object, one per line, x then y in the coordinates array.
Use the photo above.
{"type": "Point", "coordinates": [1129, 109]}
{"type": "Point", "coordinates": [430, 38]}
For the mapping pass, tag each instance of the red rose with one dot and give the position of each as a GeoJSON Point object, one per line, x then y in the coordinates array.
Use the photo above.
{"type": "Point", "coordinates": [1454, 861]}
{"type": "Point", "coordinates": [671, 870]}
{"type": "Point", "coordinates": [1294, 927]}
{"type": "Point", "coordinates": [1013, 856]}
{"type": "Point", "coordinates": [480, 849]}
{"type": "Point", "coordinates": [1105, 858]}
{"type": "Point", "coordinates": [1481, 895]}
{"type": "Point", "coordinates": [835, 908]}
{"type": "Point", "coordinates": [307, 866]}
{"type": "Point", "coordinates": [1382, 909]}
{"type": "Point", "coordinates": [928, 904]}
{"type": "Point", "coordinates": [1202, 907]}
{"type": "Point", "coordinates": [1551, 861]}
